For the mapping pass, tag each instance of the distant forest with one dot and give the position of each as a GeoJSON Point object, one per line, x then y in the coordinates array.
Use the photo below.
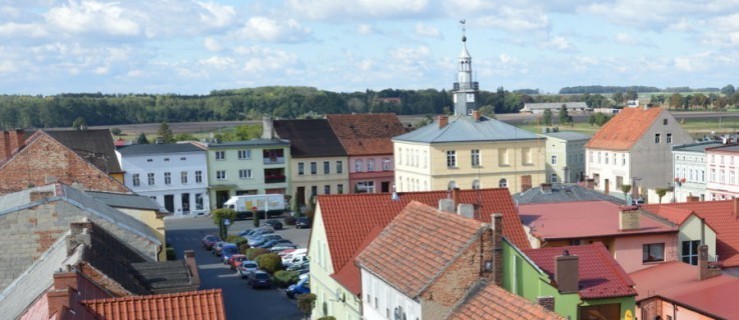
{"type": "Point", "coordinates": [638, 89]}
{"type": "Point", "coordinates": [96, 109]}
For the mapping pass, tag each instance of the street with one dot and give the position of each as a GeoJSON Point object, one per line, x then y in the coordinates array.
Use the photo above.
{"type": "Point", "coordinates": [240, 300]}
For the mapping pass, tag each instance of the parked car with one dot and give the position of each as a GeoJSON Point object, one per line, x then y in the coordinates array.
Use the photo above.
{"type": "Point", "coordinates": [280, 248]}
{"type": "Point", "coordinates": [294, 259]}
{"type": "Point", "coordinates": [275, 224]}
{"type": "Point", "coordinates": [302, 274]}
{"type": "Point", "coordinates": [302, 223]}
{"type": "Point", "coordinates": [262, 239]}
{"type": "Point", "coordinates": [217, 248]}
{"type": "Point", "coordinates": [236, 260]}
{"type": "Point", "coordinates": [297, 252]}
{"type": "Point", "coordinates": [299, 266]}
{"type": "Point", "coordinates": [228, 250]}
{"type": "Point", "coordinates": [302, 287]}
{"type": "Point", "coordinates": [251, 231]}
{"type": "Point", "coordinates": [272, 243]}
{"type": "Point", "coordinates": [247, 268]}
{"type": "Point", "coordinates": [260, 279]}
{"type": "Point", "coordinates": [208, 241]}
{"type": "Point", "coordinates": [259, 233]}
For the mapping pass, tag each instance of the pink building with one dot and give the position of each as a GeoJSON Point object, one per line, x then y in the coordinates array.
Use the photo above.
{"type": "Point", "coordinates": [636, 238]}
{"type": "Point", "coordinates": [723, 167]}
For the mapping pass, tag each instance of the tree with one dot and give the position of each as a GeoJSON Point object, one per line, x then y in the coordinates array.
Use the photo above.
{"type": "Point", "coordinates": [116, 131]}
{"type": "Point", "coordinates": [564, 115]}
{"type": "Point", "coordinates": [220, 216]}
{"type": "Point", "coordinates": [675, 101]}
{"type": "Point", "coordinates": [548, 117]}
{"type": "Point", "coordinates": [79, 123]}
{"type": "Point", "coordinates": [618, 98]}
{"type": "Point", "coordinates": [306, 302]}
{"type": "Point", "coordinates": [631, 95]}
{"type": "Point", "coordinates": [165, 133]}
{"type": "Point", "coordinates": [255, 218]}
{"type": "Point", "coordinates": [728, 90]}
{"type": "Point", "coordinates": [270, 262]}
{"type": "Point", "coordinates": [488, 111]}
{"type": "Point", "coordinates": [661, 192]}
{"type": "Point", "coordinates": [626, 188]}
{"type": "Point", "coordinates": [142, 139]}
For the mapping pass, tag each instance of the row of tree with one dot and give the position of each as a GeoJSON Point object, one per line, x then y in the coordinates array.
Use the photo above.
{"type": "Point", "coordinates": [638, 89]}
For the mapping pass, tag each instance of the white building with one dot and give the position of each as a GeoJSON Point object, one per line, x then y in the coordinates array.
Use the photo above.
{"type": "Point", "coordinates": [539, 107]}
{"type": "Point", "coordinates": [690, 169]}
{"type": "Point", "coordinates": [565, 156]}
{"type": "Point", "coordinates": [175, 175]}
{"type": "Point", "coordinates": [722, 168]}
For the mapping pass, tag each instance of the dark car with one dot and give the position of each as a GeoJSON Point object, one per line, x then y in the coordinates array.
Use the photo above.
{"type": "Point", "coordinates": [227, 251]}
{"type": "Point", "coordinates": [273, 243]}
{"type": "Point", "coordinates": [208, 241]}
{"type": "Point", "coordinates": [302, 287]}
{"type": "Point", "coordinates": [302, 222]}
{"type": "Point", "coordinates": [260, 279]}
{"type": "Point", "coordinates": [277, 225]}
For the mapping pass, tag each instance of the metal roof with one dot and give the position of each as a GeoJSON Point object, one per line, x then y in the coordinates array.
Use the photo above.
{"type": "Point", "coordinates": [159, 148]}
{"type": "Point", "coordinates": [697, 147]}
{"type": "Point", "coordinates": [568, 135]}
{"type": "Point", "coordinates": [466, 129]}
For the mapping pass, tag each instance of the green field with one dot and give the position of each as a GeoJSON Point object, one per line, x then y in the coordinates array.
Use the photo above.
{"type": "Point", "coordinates": [697, 127]}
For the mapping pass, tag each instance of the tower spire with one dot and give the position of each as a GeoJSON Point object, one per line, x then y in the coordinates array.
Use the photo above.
{"type": "Point", "coordinates": [465, 90]}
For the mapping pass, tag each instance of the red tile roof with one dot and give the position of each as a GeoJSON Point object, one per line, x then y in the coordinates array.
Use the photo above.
{"type": "Point", "coordinates": [564, 220]}
{"type": "Point", "coordinates": [679, 282]}
{"type": "Point", "coordinates": [720, 216]}
{"type": "Point", "coordinates": [600, 275]}
{"type": "Point", "coordinates": [350, 218]}
{"type": "Point", "coordinates": [350, 276]}
{"type": "Point", "coordinates": [624, 129]}
{"type": "Point", "coordinates": [418, 245]}
{"type": "Point", "coordinates": [493, 302]}
{"type": "Point", "coordinates": [200, 305]}
{"type": "Point", "coordinates": [366, 134]}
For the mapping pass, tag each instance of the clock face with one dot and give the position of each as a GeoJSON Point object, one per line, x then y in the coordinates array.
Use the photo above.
{"type": "Point", "coordinates": [470, 97]}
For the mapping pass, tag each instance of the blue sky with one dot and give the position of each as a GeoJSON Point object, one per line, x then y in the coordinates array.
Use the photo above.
{"type": "Point", "coordinates": [193, 47]}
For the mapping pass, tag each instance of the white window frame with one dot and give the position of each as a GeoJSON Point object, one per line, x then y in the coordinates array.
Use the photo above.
{"type": "Point", "coordinates": [451, 158]}
{"type": "Point", "coordinates": [245, 174]}
{"type": "Point", "coordinates": [221, 175]}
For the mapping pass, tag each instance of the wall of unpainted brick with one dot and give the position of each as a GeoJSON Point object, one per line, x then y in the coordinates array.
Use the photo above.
{"type": "Point", "coordinates": [45, 157]}
{"type": "Point", "coordinates": [102, 280]}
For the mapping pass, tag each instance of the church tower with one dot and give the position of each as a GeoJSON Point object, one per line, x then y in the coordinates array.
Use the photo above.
{"type": "Point", "coordinates": [465, 90]}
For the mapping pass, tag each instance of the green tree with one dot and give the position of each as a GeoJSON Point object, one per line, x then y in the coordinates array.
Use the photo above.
{"type": "Point", "coordinates": [626, 188]}
{"type": "Point", "coordinates": [165, 133]}
{"type": "Point", "coordinates": [256, 218]}
{"type": "Point", "coordinates": [270, 262]}
{"type": "Point", "coordinates": [219, 217]}
{"type": "Point", "coordinates": [631, 95]}
{"type": "Point", "coordinates": [661, 192]}
{"type": "Point", "coordinates": [488, 111]}
{"type": "Point", "coordinates": [618, 98]}
{"type": "Point", "coordinates": [306, 302]}
{"type": "Point", "coordinates": [728, 90]}
{"type": "Point", "coordinates": [184, 137]}
{"type": "Point", "coordinates": [547, 117]}
{"type": "Point", "coordinates": [675, 101]}
{"type": "Point", "coordinates": [116, 131]}
{"type": "Point", "coordinates": [79, 123]}
{"type": "Point", "coordinates": [142, 139]}
{"type": "Point", "coordinates": [564, 115]}
{"type": "Point", "coordinates": [598, 118]}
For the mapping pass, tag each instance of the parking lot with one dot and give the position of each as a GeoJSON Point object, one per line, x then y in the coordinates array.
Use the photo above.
{"type": "Point", "coordinates": [241, 301]}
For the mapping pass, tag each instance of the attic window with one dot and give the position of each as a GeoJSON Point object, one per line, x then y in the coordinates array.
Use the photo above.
{"type": "Point", "coordinates": [166, 159]}
{"type": "Point", "coordinates": [664, 121]}
{"type": "Point", "coordinates": [149, 160]}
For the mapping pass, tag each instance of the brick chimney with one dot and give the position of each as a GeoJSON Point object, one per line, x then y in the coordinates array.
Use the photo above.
{"type": "Point", "coordinates": [58, 300]}
{"type": "Point", "coordinates": [11, 142]}
{"type": "Point", "coordinates": [736, 207]}
{"type": "Point", "coordinates": [63, 280]}
{"type": "Point", "coordinates": [705, 270]}
{"type": "Point", "coordinates": [496, 220]}
{"type": "Point", "coordinates": [268, 131]}
{"type": "Point", "coordinates": [567, 272]}
{"type": "Point", "coordinates": [628, 218]}
{"type": "Point", "coordinates": [443, 121]}
{"type": "Point", "coordinates": [40, 195]}
{"type": "Point", "coordinates": [476, 115]}
{"type": "Point", "coordinates": [192, 265]}
{"type": "Point", "coordinates": [455, 196]}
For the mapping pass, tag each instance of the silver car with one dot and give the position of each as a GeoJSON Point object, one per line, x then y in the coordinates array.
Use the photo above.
{"type": "Point", "coordinates": [247, 268]}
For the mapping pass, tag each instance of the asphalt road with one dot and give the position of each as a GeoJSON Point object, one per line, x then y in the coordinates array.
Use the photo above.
{"type": "Point", "coordinates": [241, 301]}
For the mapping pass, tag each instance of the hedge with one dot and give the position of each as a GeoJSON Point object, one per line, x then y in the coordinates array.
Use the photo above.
{"type": "Point", "coordinates": [285, 278]}
{"type": "Point", "coordinates": [270, 262]}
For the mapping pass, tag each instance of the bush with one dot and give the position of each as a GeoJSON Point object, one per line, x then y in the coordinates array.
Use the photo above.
{"type": "Point", "coordinates": [253, 253]}
{"type": "Point", "coordinates": [306, 302]}
{"type": "Point", "coordinates": [243, 247]}
{"type": "Point", "coordinates": [234, 239]}
{"type": "Point", "coordinates": [270, 262]}
{"type": "Point", "coordinates": [170, 254]}
{"type": "Point", "coordinates": [327, 318]}
{"type": "Point", "coordinates": [290, 220]}
{"type": "Point", "coordinates": [285, 278]}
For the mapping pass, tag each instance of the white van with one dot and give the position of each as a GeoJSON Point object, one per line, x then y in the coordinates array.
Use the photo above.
{"type": "Point", "coordinates": [287, 259]}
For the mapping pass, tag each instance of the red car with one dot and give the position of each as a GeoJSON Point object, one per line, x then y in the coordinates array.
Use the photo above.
{"type": "Point", "coordinates": [208, 241]}
{"type": "Point", "coordinates": [235, 261]}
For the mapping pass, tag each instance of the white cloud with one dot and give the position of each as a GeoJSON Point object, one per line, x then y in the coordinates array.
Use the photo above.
{"type": "Point", "coordinates": [426, 30]}
{"type": "Point", "coordinates": [217, 15]}
{"type": "Point", "coordinates": [21, 30]}
{"type": "Point", "coordinates": [260, 59]}
{"type": "Point", "coordinates": [91, 16]}
{"type": "Point", "coordinates": [219, 62]}
{"type": "Point", "coordinates": [365, 29]}
{"type": "Point", "coordinates": [515, 19]}
{"type": "Point", "coordinates": [558, 43]}
{"type": "Point", "coordinates": [212, 44]}
{"type": "Point", "coordinates": [268, 29]}
{"type": "Point", "coordinates": [362, 9]}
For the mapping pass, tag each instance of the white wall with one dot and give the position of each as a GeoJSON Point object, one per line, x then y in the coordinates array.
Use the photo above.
{"type": "Point", "coordinates": [380, 300]}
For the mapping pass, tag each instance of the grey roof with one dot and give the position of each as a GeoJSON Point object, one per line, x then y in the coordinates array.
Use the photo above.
{"type": "Point", "coordinates": [697, 147]}
{"type": "Point", "coordinates": [568, 135]}
{"type": "Point", "coordinates": [563, 193]}
{"type": "Point", "coordinates": [164, 277]}
{"type": "Point", "coordinates": [248, 143]}
{"type": "Point", "coordinates": [162, 148]}
{"type": "Point", "coordinates": [309, 138]}
{"type": "Point", "coordinates": [94, 145]}
{"type": "Point", "coordinates": [466, 129]}
{"type": "Point", "coordinates": [726, 147]}
{"type": "Point", "coordinates": [555, 105]}
{"type": "Point", "coordinates": [123, 200]}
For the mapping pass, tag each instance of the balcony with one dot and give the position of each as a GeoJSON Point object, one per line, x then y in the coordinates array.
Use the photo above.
{"type": "Point", "coordinates": [274, 179]}
{"type": "Point", "coordinates": [274, 160]}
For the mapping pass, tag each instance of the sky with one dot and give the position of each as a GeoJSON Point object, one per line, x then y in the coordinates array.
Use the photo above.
{"type": "Point", "coordinates": [192, 47]}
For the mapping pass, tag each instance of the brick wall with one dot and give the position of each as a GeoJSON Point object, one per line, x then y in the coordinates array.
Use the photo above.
{"type": "Point", "coordinates": [102, 280]}
{"type": "Point", "coordinates": [45, 158]}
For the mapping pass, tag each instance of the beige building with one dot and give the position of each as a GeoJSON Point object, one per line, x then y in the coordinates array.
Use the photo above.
{"type": "Point", "coordinates": [468, 152]}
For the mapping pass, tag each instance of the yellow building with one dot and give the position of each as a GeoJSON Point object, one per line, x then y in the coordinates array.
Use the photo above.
{"type": "Point", "coordinates": [468, 152]}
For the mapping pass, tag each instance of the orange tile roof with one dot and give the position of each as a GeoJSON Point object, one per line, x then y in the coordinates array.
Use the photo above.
{"type": "Point", "coordinates": [493, 302]}
{"type": "Point", "coordinates": [719, 215]}
{"type": "Point", "coordinates": [349, 275]}
{"type": "Point", "coordinates": [366, 134]}
{"type": "Point", "coordinates": [418, 245]}
{"type": "Point", "coordinates": [624, 129]}
{"type": "Point", "coordinates": [200, 305]}
{"type": "Point", "coordinates": [600, 275]}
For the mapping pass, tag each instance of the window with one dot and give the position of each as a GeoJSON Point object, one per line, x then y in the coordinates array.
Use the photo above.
{"type": "Point", "coordinates": [244, 154]}
{"type": "Point", "coordinates": [385, 164]}
{"type": "Point", "coordinates": [371, 165]}
{"type": "Point", "coordinates": [198, 201]}
{"type": "Point", "coordinates": [150, 178]}
{"type": "Point", "coordinates": [669, 138]}
{"type": "Point", "coordinates": [301, 168]}
{"type": "Point", "coordinates": [623, 159]}
{"type": "Point", "coordinates": [475, 155]}
{"type": "Point", "coordinates": [136, 180]}
{"type": "Point", "coordinates": [167, 178]}
{"type": "Point", "coordinates": [606, 157]}
{"type": "Point", "coordinates": [664, 122]}
{"type": "Point", "coordinates": [221, 175]}
{"type": "Point", "coordinates": [690, 252]}
{"type": "Point", "coordinates": [313, 191]}
{"type": "Point", "coordinates": [183, 177]}
{"type": "Point", "coordinates": [166, 159]}
{"type": "Point", "coordinates": [554, 159]}
{"type": "Point", "coordinates": [527, 156]}
{"type": "Point", "coordinates": [503, 183]}
{"type": "Point", "coordinates": [358, 165]}
{"type": "Point", "coordinates": [220, 155]}
{"type": "Point", "coordinates": [554, 178]}
{"type": "Point", "coordinates": [619, 181]}
{"type": "Point", "coordinates": [340, 188]}
{"type": "Point", "coordinates": [365, 187]}
{"type": "Point", "coordinates": [451, 158]}
{"type": "Point", "coordinates": [183, 158]}
{"type": "Point", "coordinates": [149, 160]}
{"type": "Point", "coordinates": [503, 157]}
{"type": "Point", "coordinates": [339, 167]}
{"type": "Point", "coordinates": [327, 189]}
{"type": "Point", "coordinates": [476, 185]}
{"type": "Point", "coordinates": [198, 177]}
{"type": "Point", "coordinates": [656, 137]}
{"type": "Point", "coordinates": [245, 174]}
{"type": "Point", "coordinates": [653, 252]}
{"type": "Point", "coordinates": [313, 168]}
{"type": "Point", "coordinates": [326, 167]}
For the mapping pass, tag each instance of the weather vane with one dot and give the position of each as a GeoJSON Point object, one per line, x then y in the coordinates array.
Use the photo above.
{"type": "Point", "coordinates": [464, 31]}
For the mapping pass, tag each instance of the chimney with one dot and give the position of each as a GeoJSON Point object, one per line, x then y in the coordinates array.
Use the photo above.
{"type": "Point", "coordinates": [496, 220]}
{"type": "Point", "coordinates": [692, 199]}
{"type": "Point", "coordinates": [192, 265]}
{"type": "Point", "coordinates": [567, 273]}
{"type": "Point", "coordinates": [446, 205]}
{"type": "Point", "coordinates": [40, 195]}
{"type": "Point", "coordinates": [547, 302]}
{"type": "Point", "coordinates": [590, 183]}
{"type": "Point", "coordinates": [546, 187]}
{"type": "Point", "coordinates": [466, 210]}
{"type": "Point", "coordinates": [64, 280]}
{"type": "Point", "coordinates": [443, 121]}
{"type": "Point", "coordinates": [58, 300]}
{"type": "Point", "coordinates": [268, 131]}
{"type": "Point", "coordinates": [476, 115]}
{"type": "Point", "coordinates": [705, 270]}
{"type": "Point", "coordinates": [455, 196]}
{"type": "Point", "coordinates": [628, 218]}
{"type": "Point", "coordinates": [736, 207]}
